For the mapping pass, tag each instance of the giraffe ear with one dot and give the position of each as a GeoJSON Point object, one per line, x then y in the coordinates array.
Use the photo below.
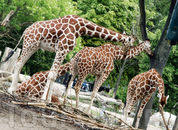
{"type": "Point", "coordinates": [124, 32]}
{"type": "Point", "coordinates": [140, 41]}
{"type": "Point", "coordinates": [167, 97]}
{"type": "Point", "coordinates": [135, 38]}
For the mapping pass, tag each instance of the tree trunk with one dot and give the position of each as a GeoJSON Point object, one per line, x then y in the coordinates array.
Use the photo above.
{"type": "Point", "coordinates": [143, 20]}
{"type": "Point", "coordinates": [118, 80]}
{"type": "Point", "coordinates": [157, 61]}
{"type": "Point", "coordinates": [175, 127]}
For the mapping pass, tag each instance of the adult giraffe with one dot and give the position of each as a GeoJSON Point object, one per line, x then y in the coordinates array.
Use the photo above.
{"type": "Point", "coordinates": [59, 35]}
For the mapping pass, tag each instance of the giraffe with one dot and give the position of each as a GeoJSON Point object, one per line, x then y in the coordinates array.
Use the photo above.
{"type": "Point", "coordinates": [99, 61]}
{"type": "Point", "coordinates": [59, 36]}
{"type": "Point", "coordinates": [142, 86]}
{"type": "Point", "coordinates": [34, 87]}
{"type": "Point", "coordinates": [103, 56]}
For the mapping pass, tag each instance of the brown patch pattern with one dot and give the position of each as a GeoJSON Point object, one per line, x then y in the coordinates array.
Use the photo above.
{"type": "Point", "coordinates": [142, 87]}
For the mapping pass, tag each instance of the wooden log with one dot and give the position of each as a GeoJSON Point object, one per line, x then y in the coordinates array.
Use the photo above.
{"type": "Point", "coordinates": [9, 65]}
{"type": "Point", "coordinates": [29, 103]}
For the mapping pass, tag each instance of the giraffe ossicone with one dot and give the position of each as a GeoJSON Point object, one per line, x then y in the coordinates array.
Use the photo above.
{"type": "Point", "coordinates": [142, 86]}
{"type": "Point", "coordinates": [98, 61]}
{"type": "Point", "coordinates": [59, 35]}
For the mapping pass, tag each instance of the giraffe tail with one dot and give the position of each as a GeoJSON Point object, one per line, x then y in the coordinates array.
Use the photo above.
{"type": "Point", "coordinates": [68, 80]}
{"type": "Point", "coordinates": [64, 68]}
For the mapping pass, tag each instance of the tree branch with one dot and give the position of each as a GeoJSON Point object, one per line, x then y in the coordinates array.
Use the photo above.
{"type": "Point", "coordinates": [143, 19]}
{"type": "Point", "coordinates": [7, 18]}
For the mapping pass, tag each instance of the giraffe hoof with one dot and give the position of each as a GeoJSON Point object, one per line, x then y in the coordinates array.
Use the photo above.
{"type": "Point", "coordinates": [12, 92]}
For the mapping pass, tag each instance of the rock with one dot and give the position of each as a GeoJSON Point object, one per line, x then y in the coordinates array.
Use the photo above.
{"type": "Point", "coordinates": [4, 73]}
{"type": "Point", "coordinates": [21, 79]}
{"type": "Point", "coordinates": [157, 120]}
{"type": "Point", "coordinates": [58, 89]}
{"type": "Point", "coordinates": [103, 94]}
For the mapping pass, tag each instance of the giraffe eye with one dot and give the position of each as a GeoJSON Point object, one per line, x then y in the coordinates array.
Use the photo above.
{"type": "Point", "coordinates": [129, 39]}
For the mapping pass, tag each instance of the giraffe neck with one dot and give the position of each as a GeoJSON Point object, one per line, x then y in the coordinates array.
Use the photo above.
{"type": "Point", "coordinates": [63, 69]}
{"type": "Point", "coordinates": [119, 53]}
{"type": "Point", "coordinates": [135, 50]}
{"type": "Point", "coordinates": [160, 85]}
{"type": "Point", "coordinates": [94, 30]}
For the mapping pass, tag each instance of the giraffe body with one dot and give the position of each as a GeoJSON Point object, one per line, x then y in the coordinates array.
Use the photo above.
{"type": "Point", "coordinates": [27, 90]}
{"type": "Point", "coordinates": [34, 87]}
{"type": "Point", "coordinates": [142, 87]}
{"type": "Point", "coordinates": [100, 62]}
{"type": "Point", "coordinates": [59, 36]}
{"type": "Point", "coordinates": [90, 60]}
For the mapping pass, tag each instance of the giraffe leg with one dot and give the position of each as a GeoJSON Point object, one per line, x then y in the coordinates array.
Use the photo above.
{"type": "Point", "coordinates": [134, 100]}
{"type": "Point", "coordinates": [130, 94]}
{"type": "Point", "coordinates": [129, 98]}
{"type": "Point", "coordinates": [142, 106]}
{"type": "Point", "coordinates": [68, 88]}
{"type": "Point", "coordinates": [77, 89]}
{"type": "Point", "coordinates": [25, 55]}
{"type": "Point", "coordinates": [74, 72]}
{"type": "Point", "coordinates": [60, 55]}
{"type": "Point", "coordinates": [98, 82]}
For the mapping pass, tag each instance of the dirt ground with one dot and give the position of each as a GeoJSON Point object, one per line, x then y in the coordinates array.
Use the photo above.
{"type": "Point", "coordinates": [24, 117]}
{"type": "Point", "coordinates": [16, 117]}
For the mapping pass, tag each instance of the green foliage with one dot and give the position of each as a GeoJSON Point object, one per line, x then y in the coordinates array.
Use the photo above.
{"type": "Point", "coordinates": [116, 15]}
{"type": "Point", "coordinates": [26, 13]}
{"type": "Point", "coordinates": [122, 93]}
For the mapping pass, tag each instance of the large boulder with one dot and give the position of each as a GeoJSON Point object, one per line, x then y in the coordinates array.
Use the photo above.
{"type": "Point", "coordinates": [157, 120]}
{"type": "Point", "coordinates": [21, 79]}
{"type": "Point", "coordinates": [4, 74]}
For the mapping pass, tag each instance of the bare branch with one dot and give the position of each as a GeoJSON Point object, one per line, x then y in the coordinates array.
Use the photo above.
{"type": "Point", "coordinates": [7, 19]}
{"type": "Point", "coordinates": [161, 111]}
{"type": "Point", "coordinates": [11, 37]}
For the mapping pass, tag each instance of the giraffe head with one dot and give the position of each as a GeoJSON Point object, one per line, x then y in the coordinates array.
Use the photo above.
{"type": "Point", "coordinates": [162, 99]}
{"type": "Point", "coordinates": [147, 47]}
{"type": "Point", "coordinates": [129, 41]}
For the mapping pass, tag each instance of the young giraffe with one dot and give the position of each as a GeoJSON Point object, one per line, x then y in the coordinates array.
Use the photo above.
{"type": "Point", "coordinates": [100, 62]}
{"type": "Point", "coordinates": [97, 61]}
{"type": "Point", "coordinates": [59, 35]}
{"type": "Point", "coordinates": [34, 87]}
{"type": "Point", "coordinates": [142, 87]}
